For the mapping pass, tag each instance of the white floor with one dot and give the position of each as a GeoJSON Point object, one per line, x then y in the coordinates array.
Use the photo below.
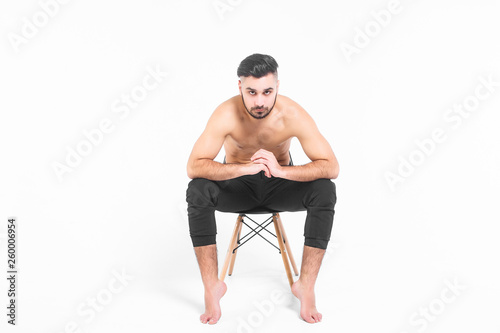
{"type": "Point", "coordinates": [383, 285]}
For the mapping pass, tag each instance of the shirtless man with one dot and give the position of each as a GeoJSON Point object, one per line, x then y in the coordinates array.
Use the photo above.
{"type": "Point", "coordinates": [256, 128]}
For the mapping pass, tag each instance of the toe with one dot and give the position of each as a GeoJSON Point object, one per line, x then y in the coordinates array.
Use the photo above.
{"type": "Point", "coordinates": [309, 319]}
{"type": "Point", "coordinates": [204, 318]}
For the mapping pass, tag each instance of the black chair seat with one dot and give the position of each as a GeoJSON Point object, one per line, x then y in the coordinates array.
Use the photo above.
{"type": "Point", "coordinates": [259, 210]}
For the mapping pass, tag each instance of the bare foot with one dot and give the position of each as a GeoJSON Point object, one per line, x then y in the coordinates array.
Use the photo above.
{"type": "Point", "coordinates": [212, 307]}
{"type": "Point", "coordinates": [307, 300]}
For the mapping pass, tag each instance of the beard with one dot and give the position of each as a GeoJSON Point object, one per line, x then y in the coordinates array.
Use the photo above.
{"type": "Point", "coordinates": [262, 112]}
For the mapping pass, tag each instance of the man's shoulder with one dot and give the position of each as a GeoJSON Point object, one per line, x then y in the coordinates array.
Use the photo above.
{"type": "Point", "coordinates": [296, 119]}
{"type": "Point", "coordinates": [228, 107]}
{"type": "Point", "coordinates": [292, 111]}
{"type": "Point", "coordinates": [225, 115]}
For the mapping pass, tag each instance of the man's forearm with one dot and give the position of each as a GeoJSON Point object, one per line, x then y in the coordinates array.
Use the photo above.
{"type": "Point", "coordinates": [205, 168]}
{"type": "Point", "coordinates": [311, 171]}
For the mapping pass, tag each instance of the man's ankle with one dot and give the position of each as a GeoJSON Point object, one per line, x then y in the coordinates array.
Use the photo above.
{"type": "Point", "coordinates": [210, 284]}
{"type": "Point", "coordinates": [307, 282]}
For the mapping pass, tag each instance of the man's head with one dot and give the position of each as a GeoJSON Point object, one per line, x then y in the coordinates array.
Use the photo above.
{"type": "Point", "coordinates": [258, 84]}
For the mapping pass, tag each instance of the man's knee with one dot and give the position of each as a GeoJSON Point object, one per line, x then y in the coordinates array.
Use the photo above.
{"type": "Point", "coordinates": [202, 192]}
{"type": "Point", "coordinates": [322, 193]}
{"type": "Point", "coordinates": [201, 196]}
{"type": "Point", "coordinates": [320, 202]}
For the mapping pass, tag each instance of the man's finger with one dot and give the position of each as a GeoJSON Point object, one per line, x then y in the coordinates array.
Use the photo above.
{"type": "Point", "coordinates": [261, 152]}
{"type": "Point", "coordinates": [267, 172]}
{"type": "Point", "coordinates": [260, 160]}
{"type": "Point", "coordinates": [256, 155]}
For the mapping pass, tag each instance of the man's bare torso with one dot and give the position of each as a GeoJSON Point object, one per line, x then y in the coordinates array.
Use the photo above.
{"type": "Point", "coordinates": [248, 135]}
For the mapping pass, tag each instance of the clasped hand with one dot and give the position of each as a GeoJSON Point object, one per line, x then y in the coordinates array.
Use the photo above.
{"type": "Point", "coordinates": [266, 161]}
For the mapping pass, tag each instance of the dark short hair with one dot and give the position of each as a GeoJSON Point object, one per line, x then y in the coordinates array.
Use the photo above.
{"type": "Point", "coordinates": [257, 65]}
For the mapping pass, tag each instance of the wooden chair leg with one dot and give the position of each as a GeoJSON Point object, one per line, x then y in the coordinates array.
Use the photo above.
{"type": "Point", "coordinates": [233, 256]}
{"type": "Point", "coordinates": [287, 244]}
{"type": "Point", "coordinates": [232, 245]}
{"type": "Point", "coordinates": [284, 256]}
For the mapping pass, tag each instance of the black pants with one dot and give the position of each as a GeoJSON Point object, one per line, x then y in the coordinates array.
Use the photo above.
{"type": "Point", "coordinates": [251, 192]}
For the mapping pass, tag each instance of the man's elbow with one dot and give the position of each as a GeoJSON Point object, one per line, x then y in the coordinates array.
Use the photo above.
{"type": "Point", "coordinates": [190, 172]}
{"type": "Point", "coordinates": [334, 171]}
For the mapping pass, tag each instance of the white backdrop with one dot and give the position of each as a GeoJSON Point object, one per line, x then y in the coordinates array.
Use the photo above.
{"type": "Point", "coordinates": [102, 102]}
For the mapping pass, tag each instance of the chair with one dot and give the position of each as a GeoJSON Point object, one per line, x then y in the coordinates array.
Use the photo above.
{"type": "Point", "coordinates": [236, 241]}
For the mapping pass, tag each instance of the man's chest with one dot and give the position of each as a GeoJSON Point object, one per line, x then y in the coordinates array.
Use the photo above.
{"type": "Point", "coordinates": [252, 139]}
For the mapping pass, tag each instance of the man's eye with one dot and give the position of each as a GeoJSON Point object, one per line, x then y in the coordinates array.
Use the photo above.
{"type": "Point", "coordinates": [267, 92]}
{"type": "Point", "coordinates": [252, 92]}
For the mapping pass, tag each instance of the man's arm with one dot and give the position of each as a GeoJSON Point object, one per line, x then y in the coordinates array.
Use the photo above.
{"type": "Point", "coordinates": [323, 163]}
{"type": "Point", "coordinates": [201, 162]}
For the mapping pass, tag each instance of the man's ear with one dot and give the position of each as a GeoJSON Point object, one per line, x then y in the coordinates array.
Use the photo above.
{"type": "Point", "coordinates": [239, 85]}
{"type": "Point", "coordinates": [277, 86]}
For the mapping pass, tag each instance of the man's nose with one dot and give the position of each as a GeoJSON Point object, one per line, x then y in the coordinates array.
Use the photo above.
{"type": "Point", "coordinates": [259, 101]}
